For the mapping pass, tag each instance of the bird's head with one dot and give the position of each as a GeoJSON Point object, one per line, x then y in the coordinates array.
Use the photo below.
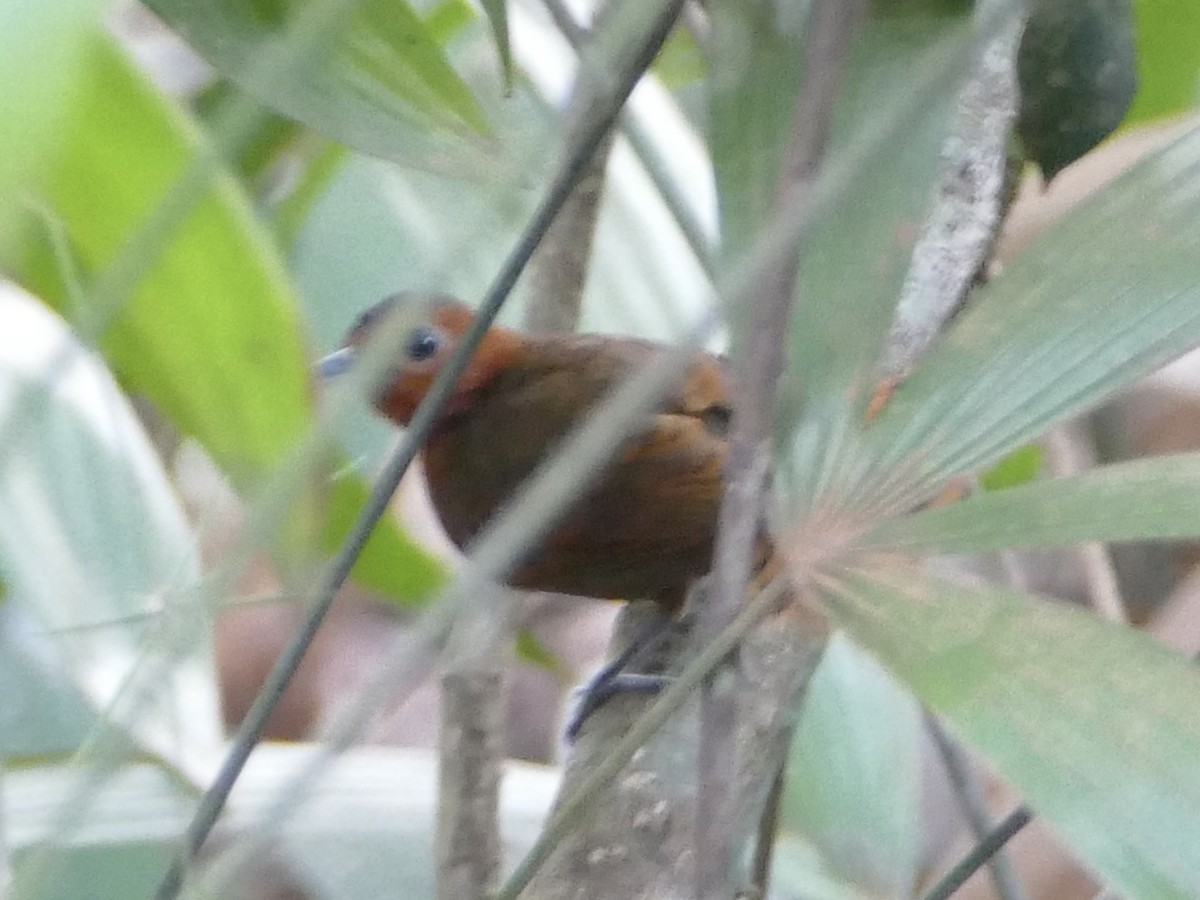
{"type": "Point", "coordinates": [424, 330]}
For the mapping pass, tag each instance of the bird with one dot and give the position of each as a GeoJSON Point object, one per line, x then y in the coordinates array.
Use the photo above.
{"type": "Point", "coordinates": [644, 529]}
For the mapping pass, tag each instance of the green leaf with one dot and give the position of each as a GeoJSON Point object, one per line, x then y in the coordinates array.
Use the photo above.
{"type": "Point", "coordinates": [800, 872]}
{"type": "Point", "coordinates": [842, 319]}
{"type": "Point", "coordinates": [681, 61]}
{"type": "Point", "coordinates": [391, 563]}
{"type": "Point", "coordinates": [1015, 469]}
{"type": "Point", "coordinates": [92, 538]}
{"type": "Point", "coordinates": [755, 65]}
{"type": "Point", "coordinates": [859, 808]}
{"type": "Point", "coordinates": [384, 74]}
{"type": "Point", "coordinates": [1094, 723]}
{"type": "Point", "coordinates": [42, 48]}
{"type": "Point", "coordinates": [1167, 33]}
{"type": "Point", "coordinates": [534, 653]}
{"type": "Point", "coordinates": [211, 334]}
{"type": "Point", "coordinates": [273, 134]}
{"type": "Point", "coordinates": [291, 214]}
{"type": "Point", "coordinates": [1076, 69]}
{"type": "Point", "coordinates": [120, 846]}
{"type": "Point", "coordinates": [1109, 295]}
{"type": "Point", "coordinates": [1147, 499]}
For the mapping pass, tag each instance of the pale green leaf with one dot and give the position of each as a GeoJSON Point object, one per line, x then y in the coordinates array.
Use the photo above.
{"type": "Point", "coordinates": [366, 830]}
{"type": "Point", "coordinates": [859, 808]}
{"type": "Point", "coordinates": [1109, 295]}
{"type": "Point", "coordinates": [1146, 499]}
{"type": "Point", "coordinates": [384, 73]}
{"type": "Point", "coordinates": [1094, 723]}
{"type": "Point", "coordinates": [799, 871]}
{"type": "Point", "coordinates": [904, 77]}
{"type": "Point", "coordinates": [92, 535]}
{"type": "Point", "coordinates": [856, 257]}
{"type": "Point", "coordinates": [41, 711]}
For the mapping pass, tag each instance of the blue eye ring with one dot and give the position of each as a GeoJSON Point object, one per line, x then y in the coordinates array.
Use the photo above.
{"type": "Point", "coordinates": [423, 343]}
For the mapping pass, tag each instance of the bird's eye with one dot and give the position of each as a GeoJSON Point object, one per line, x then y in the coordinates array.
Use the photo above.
{"type": "Point", "coordinates": [423, 343]}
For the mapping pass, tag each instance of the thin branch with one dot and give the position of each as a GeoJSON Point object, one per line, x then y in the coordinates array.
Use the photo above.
{"type": "Point", "coordinates": [980, 854]}
{"type": "Point", "coordinates": [558, 269]}
{"type": "Point", "coordinates": [1068, 454]}
{"type": "Point", "coordinates": [768, 831]}
{"type": "Point", "coordinates": [965, 781]}
{"type": "Point", "coordinates": [471, 748]}
{"type": "Point", "coordinates": [759, 366]}
{"type": "Point", "coordinates": [669, 189]}
{"type": "Point", "coordinates": [423, 420]}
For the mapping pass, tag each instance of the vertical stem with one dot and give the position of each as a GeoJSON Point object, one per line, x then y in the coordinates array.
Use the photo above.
{"type": "Point", "coordinates": [757, 372]}
{"type": "Point", "coordinates": [471, 749]}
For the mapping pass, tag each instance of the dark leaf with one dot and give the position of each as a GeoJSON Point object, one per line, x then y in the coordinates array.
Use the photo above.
{"type": "Point", "coordinates": [1077, 72]}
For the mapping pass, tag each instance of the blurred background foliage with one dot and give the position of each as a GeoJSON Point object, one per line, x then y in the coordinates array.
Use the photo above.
{"type": "Point", "coordinates": [206, 193]}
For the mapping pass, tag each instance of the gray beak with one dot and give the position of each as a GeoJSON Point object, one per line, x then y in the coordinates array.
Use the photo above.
{"type": "Point", "coordinates": [336, 363]}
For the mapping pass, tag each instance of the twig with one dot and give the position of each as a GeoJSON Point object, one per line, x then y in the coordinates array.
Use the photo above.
{"type": "Point", "coordinates": [423, 420]}
{"type": "Point", "coordinates": [669, 189]}
{"type": "Point", "coordinates": [980, 854]}
{"type": "Point", "coordinates": [471, 748]}
{"type": "Point", "coordinates": [758, 369]}
{"type": "Point", "coordinates": [967, 787]}
{"type": "Point", "coordinates": [768, 831]}
{"type": "Point", "coordinates": [558, 270]}
{"type": "Point", "coordinates": [1067, 454]}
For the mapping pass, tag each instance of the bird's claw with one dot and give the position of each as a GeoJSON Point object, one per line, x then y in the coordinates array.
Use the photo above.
{"type": "Point", "coordinates": [602, 688]}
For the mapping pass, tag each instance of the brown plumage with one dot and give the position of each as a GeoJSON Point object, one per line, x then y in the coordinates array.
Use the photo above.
{"type": "Point", "coordinates": [645, 529]}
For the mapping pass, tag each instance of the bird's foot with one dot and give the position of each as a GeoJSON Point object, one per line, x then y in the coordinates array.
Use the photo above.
{"type": "Point", "coordinates": [603, 687]}
{"type": "Point", "coordinates": [613, 679]}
